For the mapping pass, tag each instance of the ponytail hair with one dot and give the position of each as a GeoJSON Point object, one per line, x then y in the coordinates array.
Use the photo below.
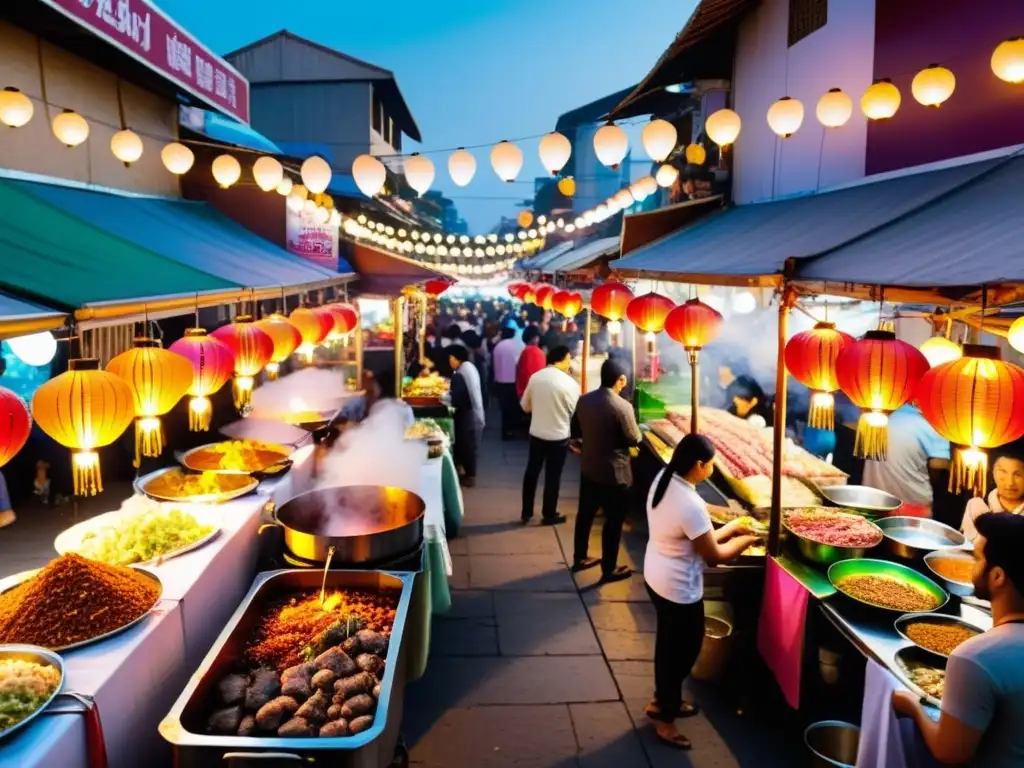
{"type": "Point", "coordinates": [691, 449]}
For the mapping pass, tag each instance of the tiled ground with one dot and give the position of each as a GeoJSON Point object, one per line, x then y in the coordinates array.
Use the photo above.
{"type": "Point", "coordinates": [532, 668]}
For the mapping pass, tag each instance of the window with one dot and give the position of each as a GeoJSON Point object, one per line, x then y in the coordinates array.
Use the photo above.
{"type": "Point", "coordinates": [377, 118]}
{"type": "Point", "coordinates": [805, 17]}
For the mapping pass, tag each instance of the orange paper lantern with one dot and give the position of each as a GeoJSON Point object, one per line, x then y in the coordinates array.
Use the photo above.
{"type": "Point", "coordinates": [15, 425]}
{"type": "Point", "coordinates": [611, 300]}
{"type": "Point", "coordinates": [528, 294]}
{"type": "Point", "coordinates": [286, 338]}
{"type": "Point", "coordinates": [544, 293]}
{"type": "Point", "coordinates": [84, 409]}
{"type": "Point", "coordinates": [212, 364]}
{"type": "Point", "coordinates": [310, 328]}
{"type": "Point", "coordinates": [346, 317]}
{"type": "Point", "coordinates": [252, 349]}
{"type": "Point", "coordinates": [567, 303]}
{"type": "Point", "coordinates": [693, 324]}
{"type": "Point", "coordinates": [879, 374]}
{"type": "Point", "coordinates": [811, 360]}
{"type": "Point", "coordinates": [975, 402]}
{"type": "Point", "coordinates": [649, 312]}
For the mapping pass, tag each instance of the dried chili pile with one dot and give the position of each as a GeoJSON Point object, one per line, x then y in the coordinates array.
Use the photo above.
{"type": "Point", "coordinates": [73, 599]}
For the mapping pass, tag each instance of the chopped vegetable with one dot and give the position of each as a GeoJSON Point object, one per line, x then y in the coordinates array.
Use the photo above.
{"type": "Point", "coordinates": [147, 531]}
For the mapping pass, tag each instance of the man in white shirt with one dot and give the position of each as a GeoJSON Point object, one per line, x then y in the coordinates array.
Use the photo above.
{"type": "Point", "coordinates": [503, 359]}
{"type": "Point", "coordinates": [550, 398]}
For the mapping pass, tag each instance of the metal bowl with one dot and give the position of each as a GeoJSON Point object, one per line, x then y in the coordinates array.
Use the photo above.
{"type": "Point", "coordinates": [832, 743]}
{"type": "Point", "coordinates": [861, 498]}
{"type": "Point", "coordinates": [187, 459]}
{"type": "Point", "coordinates": [40, 656]}
{"type": "Point", "coordinates": [867, 567]}
{"type": "Point", "coordinates": [910, 656]}
{"type": "Point", "coordinates": [827, 554]}
{"type": "Point", "coordinates": [958, 588]}
{"type": "Point", "coordinates": [143, 485]}
{"type": "Point", "coordinates": [933, 618]}
{"type": "Point", "coordinates": [911, 538]}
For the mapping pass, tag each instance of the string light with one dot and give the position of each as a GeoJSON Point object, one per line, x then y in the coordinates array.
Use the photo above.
{"type": "Point", "coordinates": [554, 150]}
{"type": "Point", "coordinates": [834, 109]}
{"type": "Point", "coordinates": [15, 107]}
{"type": "Point", "coordinates": [126, 146]}
{"type": "Point", "coordinates": [786, 116]}
{"type": "Point", "coordinates": [369, 174]}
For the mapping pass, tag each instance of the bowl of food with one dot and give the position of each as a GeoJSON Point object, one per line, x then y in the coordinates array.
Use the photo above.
{"type": "Point", "coordinates": [239, 457]}
{"type": "Point", "coordinates": [30, 678]}
{"type": "Point", "coordinates": [911, 538]}
{"type": "Point", "coordinates": [887, 586]}
{"type": "Point", "coordinates": [175, 484]}
{"type": "Point", "coordinates": [935, 632]}
{"type": "Point", "coordinates": [923, 672]}
{"type": "Point", "coordinates": [826, 536]}
{"type": "Point", "coordinates": [953, 569]}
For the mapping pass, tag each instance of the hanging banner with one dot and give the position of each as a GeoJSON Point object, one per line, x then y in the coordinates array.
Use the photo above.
{"type": "Point", "coordinates": [314, 242]}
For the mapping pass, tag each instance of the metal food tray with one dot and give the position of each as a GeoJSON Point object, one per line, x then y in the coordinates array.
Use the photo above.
{"type": "Point", "coordinates": [185, 725]}
{"type": "Point", "coordinates": [284, 450]}
{"type": "Point", "coordinates": [915, 653]}
{"type": "Point", "coordinates": [40, 656]}
{"type": "Point", "coordinates": [935, 618]}
{"type": "Point", "coordinates": [208, 498]}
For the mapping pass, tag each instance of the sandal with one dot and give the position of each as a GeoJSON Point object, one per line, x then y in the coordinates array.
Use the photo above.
{"type": "Point", "coordinates": [584, 564]}
{"type": "Point", "coordinates": [674, 740]}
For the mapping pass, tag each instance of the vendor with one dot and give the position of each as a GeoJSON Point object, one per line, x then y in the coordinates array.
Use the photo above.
{"type": "Point", "coordinates": [983, 700]}
{"type": "Point", "coordinates": [1007, 496]}
{"type": "Point", "coordinates": [742, 395]}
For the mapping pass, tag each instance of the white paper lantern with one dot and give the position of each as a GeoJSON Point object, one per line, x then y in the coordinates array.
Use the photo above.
{"type": "Point", "coordinates": [126, 146]}
{"type": "Point", "coordinates": [659, 139]}
{"type": "Point", "coordinates": [316, 174]}
{"type": "Point", "coordinates": [554, 150]}
{"type": "Point", "coordinates": [309, 207]}
{"type": "Point", "coordinates": [294, 203]}
{"type": "Point", "coordinates": [743, 302]}
{"type": "Point", "coordinates": [419, 172]}
{"type": "Point", "coordinates": [177, 158]}
{"type": "Point", "coordinates": [321, 215]}
{"type": "Point", "coordinates": [35, 349]}
{"type": "Point", "coordinates": [723, 127]}
{"type": "Point", "coordinates": [70, 128]}
{"type": "Point", "coordinates": [881, 100]}
{"type": "Point", "coordinates": [15, 108]}
{"type": "Point", "coordinates": [834, 109]}
{"type": "Point", "coordinates": [506, 160]}
{"type": "Point", "coordinates": [369, 174]}
{"type": "Point", "coordinates": [226, 170]}
{"type": "Point", "coordinates": [461, 167]}
{"type": "Point", "coordinates": [267, 172]}
{"type": "Point", "coordinates": [611, 145]}
{"type": "Point", "coordinates": [284, 187]}
{"type": "Point", "coordinates": [786, 116]}
{"type": "Point", "coordinates": [666, 176]}
{"type": "Point", "coordinates": [933, 85]}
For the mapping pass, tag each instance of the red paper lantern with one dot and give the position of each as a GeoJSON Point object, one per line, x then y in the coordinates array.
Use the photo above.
{"type": "Point", "coordinates": [693, 324]}
{"type": "Point", "coordinates": [437, 287]}
{"type": "Point", "coordinates": [326, 318]}
{"type": "Point", "coordinates": [15, 425]}
{"type": "Point", "coordinates": [345, 319]}
{"type": "Point", "coordinates": [252, 349]}
{"type": "Point", "coordinates": [811, 360]}
{"type": "Point", "coordinates": [545, 294]}
{"type": "Point", "coordinates": [611, 300]}
{"type": "Point", "coordinates": [879, 374]}
{"type": "Point", "coordinates": [514, 289]}
{"type": "Point", "coordinates": [528, 294]}
{"type": "Point", "coordinates": [212, 363]}
{"type": "Point", "coordinates": [567, 303]}
{"type": "Point", "coordinates": [975, 402]}
{"type": "Point", "coordinates": [649, 312]}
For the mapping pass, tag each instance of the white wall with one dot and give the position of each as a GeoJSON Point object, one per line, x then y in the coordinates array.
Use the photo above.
{"type": "Point", "coordinates": [839, 55]}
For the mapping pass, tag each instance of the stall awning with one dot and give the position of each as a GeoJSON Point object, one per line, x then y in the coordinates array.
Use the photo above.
{"type": "Point", "coordinates": [539, 260]}
{"type": "Point", "coordinates": [971, 237]}
{"type": "Point", "coordinates": [583, 255]}
{"type": "Point", "coordinates": [750, 244]}
{"type": "Point", "coordinates": [190, 233]}
{"type": "Point", "coordinates": [19, 318]}
{"type": "Point", "coordinates": [639, 229]}
{"type": "Point", "coordinates": [386, 274]}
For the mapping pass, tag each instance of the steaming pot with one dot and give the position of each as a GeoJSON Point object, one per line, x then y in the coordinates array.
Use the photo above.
{"type": "Point", "coordinates": [364, 523]}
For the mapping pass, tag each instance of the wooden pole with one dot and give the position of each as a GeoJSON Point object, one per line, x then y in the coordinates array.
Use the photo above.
{"type": "Point", "coordinates": [586, 355]}
{"type": "Point", "coordinates": [779, 433]}
{"type": "Point", "coordinates": [694, 389]}
{"type": "Point", "coordinates": [423, 327]}
{"type": "Point", "coordinates": [359, 353]}
{"type": "Point", "coordinates": [399, 343]}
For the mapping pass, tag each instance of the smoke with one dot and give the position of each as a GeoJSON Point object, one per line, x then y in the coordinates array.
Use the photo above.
{"type": "Point", "coordinates": [309, 392]}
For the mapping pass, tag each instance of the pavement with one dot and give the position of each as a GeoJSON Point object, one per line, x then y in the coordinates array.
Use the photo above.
{"type": "Point", "coordinates": [535, 667]}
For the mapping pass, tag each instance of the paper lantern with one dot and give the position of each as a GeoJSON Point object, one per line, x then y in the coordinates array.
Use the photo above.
{"type": "Point", "coordinates": [419, 172]}
{"type": "Point", "coordinates": [15, 425]}
{"type": "Point", "coordinates": [695, 155]}
{"type": "Point", "coordinates": [525, 218]}
{"type": "Point", "coordinates": [1007, 60]}
{"type": "Point", "coordinates": [84, 409]}
{"type": "Point", "coordinates": [811, 359]}
{"type": "Point", "coordinates": [1015, 334]}
{"type": "Point", "coordinates": [879, 374]}
{"type": "Point", "coordinates": [649, 312]}
{"type": "Point", "coordinates": [567, 186]}
{"type": "Point", "coordinates": [212, 363]}
{"type": "Point", "coordinates": [286, 338]}
{"type": "Point", "coordinates": [16, 108]}
{"type": "Point", "coordinates": [544, 295]}
{"type": "Point", "coordinates": [268, 173]}
{"type": "Point", "coordinates": [506, 160]}
{"type": "Point", "coordinates": [666, 176]}
{"type": "Point", "coordinates": [939, 349]}
{"type": "Point", "coordinates": [346, 317]}
{"type": "Point", "coordinates": [437, 287]}
{"type": "Point", "coordinates": [611, 145]}
{"type": "Point", "coordinates": [70, 128]}
{"type": "Point", "coordinates": [933, 85]}
{"type": "Point", "coordinates": [310, 328]}
{"type": "Point", "coordinates": [126, 146]}
{"type": "Point", "coordinates": [369, 174]}
{"type": "Point", "coordinates": [723, 127]}
{"type": "Point", "coordinates": [514, 289]}
{"type": "Point", "coordinates": [659, 139]}
{"type": "Point", "coordinates": [226, 170]}
{"type": "Point", "coordinates": [977, 403]}
{"type": "Point", "coordinates": [158, 379]}
{"type": "Point", "coordinates": [834, 109]}
{"type": "Point", "coordinates": [35, 349]}
{"type": "Point", "coordinates": [284, 187]}
{"type": "Point", "coordinates": [528, 294]}
{"type": "Point", "coordinates": [610, 301]}
{"type": "Point", "coordinates": [693, 324]}
{"type": "Point", "coordinates": [252, 349]}
{"type": "Point", "coordinates": [316, 174]}
{"type": "Point", "coordinates": [326, 318]}
{"type": "Point", "coordinates": [554, 150]}
{"type": "Point", "coordinates": [461, 167]}
{"type": "Point", "coordinates": [567, 303]}
{"type": "Point", "coordinates": [881, 100]}
{"type": "Point", "coordinates": [177, 158]}
{"type": "Point", "coordinates": [786, 116]}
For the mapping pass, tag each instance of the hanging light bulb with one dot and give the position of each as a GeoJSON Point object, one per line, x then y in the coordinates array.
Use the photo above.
{"type": "Point", "coordinates": [786, 116]}
{"type": "Point", "coordinates": [696, 154]}
{"type": "Point", "coordinates": [507, 160]}
{"type": "Point", "coordinates": [34, 349]}
{"type": "Point", "coordinates": [284, 187]}
{"type": "Point", "coordinates": [316, 174]}
{"type": "Point", "coordinates": [933, 85]}
{"type": "Point", "coordinates": [834, 109]}
{"type": "Point", "coordinates": [419, 172]}
{"type": "Point", "coordinates": [70, 128]}
{"type": "Point", "coordinates": [1007, 60]}
{"type": "Point", "coordinates": [15, 107]}
{"type": "Point", "coordinates": [554, 150]}
{"type": "Point", "coordinates": [369, 174]}
{"type": "Point", "coordinates": [611, 145]}
{"type": "Point", "coordinates": [177, 158]}
{"type": "Point", "coordinates": [126, 146]}
{"type": "Point", "coordinates": [461, 167]}
{"type": "Point", "coordinates": [226, 170]}
{"type": "Point", "coordinates": [659, 139]}
{"type": "Point", "coordinates": [666, 176]}
{"type": "Point", "coordinates": [567, 186]}
{"type": "Point", "coordinates": [267, 172]}
{"type": "Point", "coordinates": [881, 100]}
{"type": "Point", "coordinates": [723, 127]}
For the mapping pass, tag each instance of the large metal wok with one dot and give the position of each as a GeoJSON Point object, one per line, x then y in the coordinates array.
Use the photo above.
{"type": "Point", "coordinates": [363, 523]}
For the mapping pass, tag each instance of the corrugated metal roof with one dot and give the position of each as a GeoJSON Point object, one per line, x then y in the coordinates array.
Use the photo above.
{"type": "Point", "coordinates": [539, 260]}
{"type": "Point", "coordinates": [583, 255]}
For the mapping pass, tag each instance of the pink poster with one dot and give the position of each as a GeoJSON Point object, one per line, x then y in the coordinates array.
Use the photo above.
{"type": "Point", "coordinates": [314, 242]}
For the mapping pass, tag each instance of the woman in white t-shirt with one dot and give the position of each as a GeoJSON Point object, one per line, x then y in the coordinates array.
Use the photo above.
{"type": "Point", "coordinates": [681, 541]}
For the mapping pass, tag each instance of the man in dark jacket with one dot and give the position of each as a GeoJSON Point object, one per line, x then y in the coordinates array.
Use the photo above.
{"type": "Point", "coordinates": [605, 422]}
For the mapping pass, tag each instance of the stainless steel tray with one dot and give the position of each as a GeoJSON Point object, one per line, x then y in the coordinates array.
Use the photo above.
{"type": "Point", "coordinates": [912, 654]}
{"type": "Point", "coordinates": [210, 498]}
{"type": "Point", "coordinates": [185, 725]}
{"type": "Point", "coordinates": [859, 497]}
{"type": "Point", "coordinates": [40, 656]}
{"type": "Point", "coordinates": [910, 538]}
{"type": "Point", "coordinates": [933, 618]}
{"type": "Point", "coordinates": [184, 456]}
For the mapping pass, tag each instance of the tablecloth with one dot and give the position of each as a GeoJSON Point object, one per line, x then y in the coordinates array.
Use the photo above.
{"type": "Point", "coordinates": [454, 505]}
{"type": "Point", "coordinates": [780, 631]}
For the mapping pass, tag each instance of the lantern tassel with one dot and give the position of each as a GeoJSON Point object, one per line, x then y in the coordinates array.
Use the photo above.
{"type": "Point", "coordinates": [241, 388]}
{"type": "Point", "coordinates": [273, 370]}
{"type": "Point", "coordinates": [821, 413]}
{"type": "Point", "coordinates": [149, 439]}
{"type": "Point", "coordinates": [86, 472]}
{"type": "Point", "coordinates": [199, 412]}
{"type": "Point", "coordinates": [969, 471]}
{"type": "Point", "coordinates": [872, 441]}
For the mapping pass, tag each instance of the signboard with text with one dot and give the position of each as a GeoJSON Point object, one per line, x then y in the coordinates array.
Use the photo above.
{"type": "Point", "coordinates": [314, 242]}
{"type": "Point", "coordinates": [145, 33]}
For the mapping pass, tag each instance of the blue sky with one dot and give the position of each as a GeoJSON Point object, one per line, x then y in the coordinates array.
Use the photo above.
{"type": "Point", "coordinates": [473, 71]}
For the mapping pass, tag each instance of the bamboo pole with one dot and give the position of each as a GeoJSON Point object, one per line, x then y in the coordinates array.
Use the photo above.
{"type": "Point", "coordinates": [779, 432]}
{"type": "Point", "coordinates": [586, 354]}
{"type": "Point", "coordinates": [423, 326]}
{"type": "Point", "coordinates": [397, 306]}
{"type": "Point", "coordinates": [694, 389]}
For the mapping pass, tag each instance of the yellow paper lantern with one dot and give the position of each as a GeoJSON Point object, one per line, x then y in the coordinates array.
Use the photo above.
{"type": "Point", "coordinates": [84, 409]}
{"type": "Point", "coordinates": [126, 146]}
{"type": "Point", "coordinates": [177, 158]}
{"type": "Point", "coordinates": [267, 173]}
{"type": "Point", "coordinates": [611, 145]}
{"type": "Point", "coordinates": [567, 186]}
{"type": "Point", "coordinates": [226, 170]}
{"type": "Point", "coordinates": [461, 167]}
{"type": "Point", "coordinates": [695, 154]}
{"type": "Point", "coordinates": [70, 128]}
{"type": "Point", "coordinates": [311, 328]}
{"type": "Point", "coordinates": [786, 116]}
{"type": "Point", "coordinates": [506, 160]}
{"type": "Point", "coordinates": [1008, 60]}
{"type": "Point", "coordinates": [933, 85]}
{"type": "Point", "coordinates": [419, 172]}
{"type": "Point", "coordinates": [1015, 335]}
{"type": "Point", "coordinates": [16, 108]}
{"type": "Point", "coordinates": [938, 350]}
{"type": "Point", "coordinates": [834, 109]}
{"type": "Point", "coordinates": [666, 176]}
{"type": "Point", "coordinates": [659, 139]}
{"type": "Point", "coordinates": [525, 219]}
{"type": "Point", "coordinates": [554, 150]}
{"type": "Point", "coordinates": [316, 174]}
{"type": "Point", "coordinates": [881, 100]}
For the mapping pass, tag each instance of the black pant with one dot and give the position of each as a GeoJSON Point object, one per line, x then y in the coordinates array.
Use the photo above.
{"type": "Point", "coordinates": [614, 499]}
{"type": "Point", "coordinates": [467, 439]}
{"type": "Point", "coordinates": [509, 404]}
{"type": "Point", "coordinates": [549, 454]}
{"type": "Point", "coordinates": [676, 647]}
